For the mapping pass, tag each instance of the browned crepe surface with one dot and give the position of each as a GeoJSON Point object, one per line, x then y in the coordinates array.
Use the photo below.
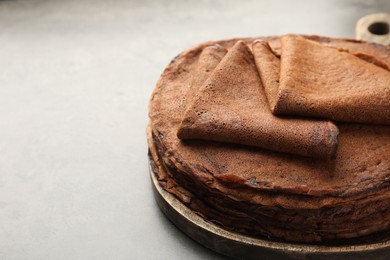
{"type": "Point", "coordinates": [208, 59]}
{"type": "Point", "coordinates": [319, 81]}
{"type": "Point", "coordinates": [268, 65]}
{"type": "Point", "coordinates": [231, 107]}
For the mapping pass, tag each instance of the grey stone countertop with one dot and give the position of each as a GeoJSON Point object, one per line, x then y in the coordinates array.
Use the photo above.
{"type": "Point", "coordinates": [75, 81]}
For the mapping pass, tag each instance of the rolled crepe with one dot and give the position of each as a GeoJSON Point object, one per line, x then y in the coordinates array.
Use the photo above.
{"type": "Point", "coordinates": [319, 81]}
{"type": "Point", "coordinates": [231, 107]}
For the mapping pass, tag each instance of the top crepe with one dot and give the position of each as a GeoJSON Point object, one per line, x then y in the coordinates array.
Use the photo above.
{"type": "Point", "coordinates": [231, 106]}
{"type": "Point", "coordinates": [319, 81]}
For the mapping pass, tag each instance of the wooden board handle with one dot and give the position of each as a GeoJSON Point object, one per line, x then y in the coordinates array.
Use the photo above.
{"type": "Point", "coordinates": [375, 28]}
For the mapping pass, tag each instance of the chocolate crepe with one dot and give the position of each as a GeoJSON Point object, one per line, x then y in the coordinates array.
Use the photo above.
{"type": "Point", "coordinates": [231, 107]}
{"type": "Point", "coordinates": [210, 57]}
{"type": "Point", "coordinates": [268, 65]}
{"type": "Point", "coordinates": [318, 81]}
{"type": "Point", "coordinates": [344, 218]}
{"type": "Point", "coordinates": [266, 193]}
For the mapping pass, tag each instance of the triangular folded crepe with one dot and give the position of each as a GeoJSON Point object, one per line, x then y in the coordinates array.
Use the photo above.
{"type": "Point", "coordinates": [319, 81]}
{"type": "Point", "coordinates": [268, 66]}
{"type": "Point", "coordinates": [210, 57]}
{"type": "Point", "coordinates": [231, 107]}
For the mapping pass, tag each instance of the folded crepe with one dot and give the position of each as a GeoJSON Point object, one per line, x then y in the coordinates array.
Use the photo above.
{"type": "Point", "coordinates": [319, 81]}
{"type": "Point", "coordinates": [210, 57]}
{"type": "Point", "coordinates": [268, 65]}
{"type": "Point", "coordinates": [231, 106]}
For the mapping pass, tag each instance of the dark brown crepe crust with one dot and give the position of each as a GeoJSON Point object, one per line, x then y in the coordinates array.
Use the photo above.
{"type": "Point", "coordinates": [359, 175]}
{"type": "Point", "coordinates": [231, 107]}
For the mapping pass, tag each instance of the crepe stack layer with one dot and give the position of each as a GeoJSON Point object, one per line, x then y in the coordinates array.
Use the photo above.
{"type": "Point", "coordinates": [280, 137]}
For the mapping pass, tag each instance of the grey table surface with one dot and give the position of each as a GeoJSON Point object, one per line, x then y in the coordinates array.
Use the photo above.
{"type": "Point", "coordinates": [75, 81]}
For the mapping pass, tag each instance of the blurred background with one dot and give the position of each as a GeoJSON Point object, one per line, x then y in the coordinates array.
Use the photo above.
{"type": "Point", "coordinates": [75, 82]}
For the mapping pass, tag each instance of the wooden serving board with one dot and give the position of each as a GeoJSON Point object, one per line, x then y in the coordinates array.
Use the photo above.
{"type": "Point", "coordinates": [244, 247]}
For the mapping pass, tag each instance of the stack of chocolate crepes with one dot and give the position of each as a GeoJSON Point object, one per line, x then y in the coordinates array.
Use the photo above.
{"type": "Point", "coordinates": [284, 137]}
